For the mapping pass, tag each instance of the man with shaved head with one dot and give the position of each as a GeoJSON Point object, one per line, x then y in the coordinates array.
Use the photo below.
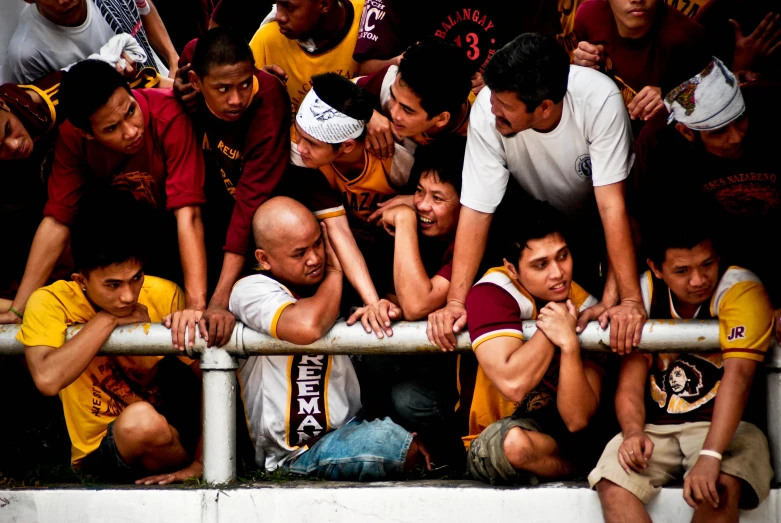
{"type": "Point", "coordinates": [296, 299]}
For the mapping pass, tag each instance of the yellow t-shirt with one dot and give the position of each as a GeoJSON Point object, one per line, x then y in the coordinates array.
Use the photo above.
{"type": "Point", "coordinates": [109, 383]}
{"type": "Point", "coordinates": [687, 7]}
{"type": "Point", "coordinates": [567, 38]}
{"type": "Point", "coordinates": [270, 47]}
{"type": "Point", "coordinates": [362, 195]}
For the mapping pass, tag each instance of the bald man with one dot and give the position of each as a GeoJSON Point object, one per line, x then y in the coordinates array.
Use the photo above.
{"type": "Point", "coordinates": [296, 299]}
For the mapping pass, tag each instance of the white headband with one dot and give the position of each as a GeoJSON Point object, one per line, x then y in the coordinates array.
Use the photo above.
{"type": "Point", "coordinates": [707, 102]}
{"type": "Point", "coordinates": [324, 123]}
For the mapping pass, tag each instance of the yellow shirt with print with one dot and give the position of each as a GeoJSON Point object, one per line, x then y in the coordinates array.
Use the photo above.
{"type": "Point", "coordinates": [361, 195]}
{"type": "Point", "coordinates": [270, 47]}
{"type": "Point", "coordinates": [109, 383]}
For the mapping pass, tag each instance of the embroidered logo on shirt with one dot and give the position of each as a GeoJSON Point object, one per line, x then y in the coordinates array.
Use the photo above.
{"type": "Point", "coordinates": [583, 166]}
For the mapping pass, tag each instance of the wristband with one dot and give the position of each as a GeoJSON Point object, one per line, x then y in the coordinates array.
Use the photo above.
{"type": "Point", "coordinates": [11, 309]}
{"type": "Point", "coordinates": [711, 453]}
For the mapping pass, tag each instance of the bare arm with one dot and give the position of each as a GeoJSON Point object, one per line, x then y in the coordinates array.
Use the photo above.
{"type": "Point", "coordinates": [579, 392]}
{"type": "Point", "coordinates": [471, 237]}
{"type": "Point", "coordinates": [626, 319]}
{"type": "Point", "coordinates": [192, 251]}
{"type": "Point", "coordinates": [158, 37]}
{"type": "Point", "coordinates": [515, 367]}
{"type": "Point", "coordinates": [53, 369]}
{"type": "Point", "coordinates": [701, 483]}
{"type": "Point", "coordinates": [418, 294]}
{"type": "Point", "coordinates": [630, 394]}
{"type": "Point", "coordinates": [216, 324]}
{"type": "Point", "coordinates": [308, 319]}
{"type": "Point", "coordinates": [49, 243]}
{"type": "Point", "coordinates": [377, 314]}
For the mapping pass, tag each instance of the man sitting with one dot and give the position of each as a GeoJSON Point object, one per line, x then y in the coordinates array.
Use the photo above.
{"type": "Point", "coordinates": [349, 183]}
{"type": "Point", "coordinates": [426, 96]}
{"type": "Point", "coordinates": [533, 398]}
{"type": "Point", "coordinates": [111, 403]}
{"type": "Point", "coordinates": [420, 392]}
{"type": "Point", "coordinates": [297, 300]}
{"type": "Point", "coordinates": [139, 142]}
{"type": "Point", "coordinates": [691, 416]}
{"type": "Point", "coordinates": [242, 122]}
{"type": "Point", "coordinates": [723, 140]}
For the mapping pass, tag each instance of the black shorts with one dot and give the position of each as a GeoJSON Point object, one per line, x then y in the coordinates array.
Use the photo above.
{"type": "Point", "coordinates": [106, 465]}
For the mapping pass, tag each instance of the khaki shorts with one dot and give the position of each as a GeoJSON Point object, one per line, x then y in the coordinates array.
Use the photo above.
{"type": "Point", "coordinates": [486, 460]}
{"type": "Point", "coordinates": [676, 449]}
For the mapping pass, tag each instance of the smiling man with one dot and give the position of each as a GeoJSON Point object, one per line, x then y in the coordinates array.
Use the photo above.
{"type": "Point", "coordinates": [140, 142]}
{"type": "Point", "coordinates": [692, 416]}
{"type": "Point", "coordinates": [534, 398]}
{"type": "Point", "coordinates": [414, 109]}
{"type": "Point", "coordinates": [243, 126]}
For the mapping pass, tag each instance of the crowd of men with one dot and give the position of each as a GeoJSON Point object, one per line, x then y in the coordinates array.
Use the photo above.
{"type": "Point", "coordinates": [307, 161]}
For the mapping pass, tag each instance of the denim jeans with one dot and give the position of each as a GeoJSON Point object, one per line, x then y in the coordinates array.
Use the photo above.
{"type": "Point", "coordinates": [358, 451]}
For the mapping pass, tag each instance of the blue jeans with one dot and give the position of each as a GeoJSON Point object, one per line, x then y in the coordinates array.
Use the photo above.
{"type": "Point", "coordinates": [358, 451]}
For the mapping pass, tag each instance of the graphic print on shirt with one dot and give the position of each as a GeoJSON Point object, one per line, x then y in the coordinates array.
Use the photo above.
{"type": "Point", "coordinates": [307, 405]}
{"type": "Point", "coordinates": [140, 184]}
{"type": "Point", "coordinates": [682, 383]}
{"type": "Point", "coordinates": [746, 194]}
{"type": "Point", "coordinates": [471, 30]}
{"type": "Point", "coordinates": [119, 15]}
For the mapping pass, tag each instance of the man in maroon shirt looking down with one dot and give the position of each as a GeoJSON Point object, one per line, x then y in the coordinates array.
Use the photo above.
{"type": "Point", "coordinates": [242, 122]}
{"type": "Point", "coordinates": [141, 142]}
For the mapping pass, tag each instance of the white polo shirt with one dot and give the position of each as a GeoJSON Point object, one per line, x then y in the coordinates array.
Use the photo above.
{"type": "Point", "coordinates": [591, 146]}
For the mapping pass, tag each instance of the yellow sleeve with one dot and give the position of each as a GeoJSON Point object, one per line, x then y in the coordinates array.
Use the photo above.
{"type": "Point", "coordinates": [178, 303]}
{"type": "Point", "coordinates": [745, 321]}
{"type": "Point", "coordinates": [45, 321]}
{"type": "Point", "coordinates": [258, 49]}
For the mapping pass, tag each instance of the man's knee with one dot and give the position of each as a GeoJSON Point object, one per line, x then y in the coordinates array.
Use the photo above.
{"type": "Point", "coordinates": [518, 448]}
{"type": "Point", "coordinates": [141, 424]}
{"type": "Point", "coordinates": [608, 490]}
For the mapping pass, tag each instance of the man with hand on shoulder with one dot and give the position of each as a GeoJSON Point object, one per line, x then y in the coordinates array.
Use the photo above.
{"type": "Point", "coordinates": [692, 416]}
{"type": "Point", "coordinates": [534, 398]}
{"type": "Point", "coordinates": [296, 299]}
{"type": "Point", "coordinates": [112, 404]}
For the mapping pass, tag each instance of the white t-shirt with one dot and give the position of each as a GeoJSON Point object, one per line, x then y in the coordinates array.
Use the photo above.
{"type": "Point", "coordinates": [288, 399]}
{"type": "Point", "coordinates": [40, 47]}
{"type": "Point", "coordinates": [592, 146]}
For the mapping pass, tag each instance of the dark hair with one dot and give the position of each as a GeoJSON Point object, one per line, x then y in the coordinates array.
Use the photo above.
{"type": "Point", "coordinates": [681, 229]}
{"type": "Point", "coordinates": [220, 46]}
{"type": "Point", "coordinates": [344, 96]}
{"type": "Point", "coordinates": [533, 66]}
{"type": "Point", "coordinates": [444, 156]}
{"type": "Point", "coordinates": [540, 219]}
{"type": "Point", "coordinates": [87, 87]}
{"type": "Point", "coordinates": [109, 228]}
{"type": "Point", "coordinates": [438, 73]}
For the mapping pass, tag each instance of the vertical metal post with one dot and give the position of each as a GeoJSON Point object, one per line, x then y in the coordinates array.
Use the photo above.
{"type": "Point", "coordinates": [773, 369]}
{"type": "Point", "coordinates": [219, 416]}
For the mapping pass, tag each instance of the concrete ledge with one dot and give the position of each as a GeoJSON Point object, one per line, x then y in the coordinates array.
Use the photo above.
{"type": "Point", "coordinates": [435, 501]}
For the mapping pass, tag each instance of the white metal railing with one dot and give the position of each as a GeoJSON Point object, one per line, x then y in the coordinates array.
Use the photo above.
{"type": "Point", "coordinates": [219, 365]}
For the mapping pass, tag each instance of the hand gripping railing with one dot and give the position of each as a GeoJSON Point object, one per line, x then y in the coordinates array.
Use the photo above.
{"type": "Point", "coordinates": [219, 365]}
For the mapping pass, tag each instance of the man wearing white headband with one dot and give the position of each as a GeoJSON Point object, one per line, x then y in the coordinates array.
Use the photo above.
{"type": "Point", "coordinates": [718, 147]}
{"type": "Point", "coordinates": [344, 184]}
